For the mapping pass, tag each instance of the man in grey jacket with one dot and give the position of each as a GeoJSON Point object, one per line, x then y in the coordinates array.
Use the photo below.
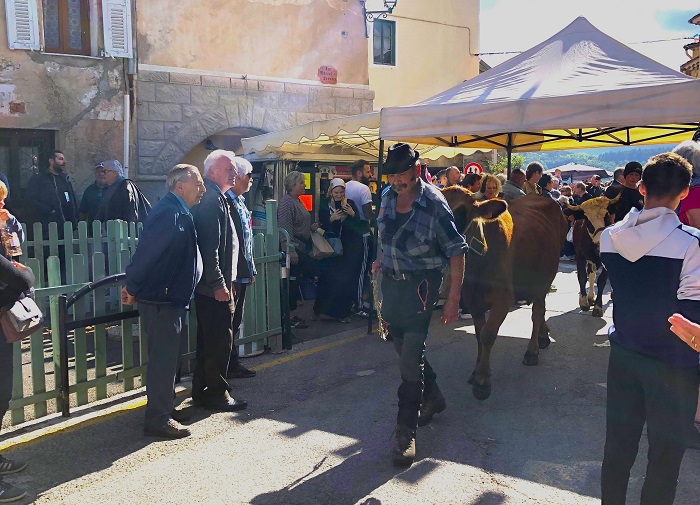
{"type": "Point", "coordinates": [214, 295]}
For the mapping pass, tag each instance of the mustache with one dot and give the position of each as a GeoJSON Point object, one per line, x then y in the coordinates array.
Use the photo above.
{"type": "Point", "coordinates": [399, 186]}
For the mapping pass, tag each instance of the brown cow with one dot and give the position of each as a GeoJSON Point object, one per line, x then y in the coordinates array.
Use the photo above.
{"type": "Point", "coordinates": [592, 216]}
{"type": "Point", "coordinates": [513, 255]}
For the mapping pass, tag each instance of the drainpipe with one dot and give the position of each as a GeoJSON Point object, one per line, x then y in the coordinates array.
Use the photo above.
{"type": "Point", "coordinates": [127, 115]}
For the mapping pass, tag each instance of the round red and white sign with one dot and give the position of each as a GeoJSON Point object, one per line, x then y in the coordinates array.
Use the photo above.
{"type": "Point", "coordinates": [473, 168]}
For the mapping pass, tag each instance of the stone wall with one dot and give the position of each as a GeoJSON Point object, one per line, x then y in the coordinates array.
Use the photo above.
{"type": "Point", "coordinates": [177, 111]}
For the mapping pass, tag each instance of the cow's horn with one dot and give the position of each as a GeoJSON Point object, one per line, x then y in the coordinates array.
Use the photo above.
{"type": "Point", "coordinates": [614, 200]}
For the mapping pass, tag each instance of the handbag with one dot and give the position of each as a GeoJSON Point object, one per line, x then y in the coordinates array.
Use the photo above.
{"type": "Point", "coordinates": [337, 246]}
{"type": "Point", "coordinates": [320, 246]}
{"type": "Point", "coordinates": [21, 319]}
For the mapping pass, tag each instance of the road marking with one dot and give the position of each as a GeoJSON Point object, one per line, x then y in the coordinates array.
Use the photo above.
{"type": "Point", "coordinates": [121, 409]}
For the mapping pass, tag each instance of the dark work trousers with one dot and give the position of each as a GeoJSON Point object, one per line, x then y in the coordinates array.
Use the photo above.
{"type": "Point", "coordinates": [641, 389]}
{"type": "Point", "coordinates": [5, 375]}
{"type": "Point", "coordinates": [303, 269]}
{"type": "Point", "coordinates": [407, 307]}
{"type": "Point", "coordinates": [163, 324]}
{"type": "Point", "coordinates": [214, 342]}
{"type": "Point", "coordinates": [239, 301]}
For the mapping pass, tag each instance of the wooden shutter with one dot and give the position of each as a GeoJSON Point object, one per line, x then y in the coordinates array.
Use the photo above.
{"type": "Point", "coordinates": [22, 24]}
{"type": "Point", "coordinates": [116, 20]}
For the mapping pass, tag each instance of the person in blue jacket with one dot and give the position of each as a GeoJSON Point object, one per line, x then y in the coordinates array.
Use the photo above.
{"type": "Point", "coordinates": [162, 276]}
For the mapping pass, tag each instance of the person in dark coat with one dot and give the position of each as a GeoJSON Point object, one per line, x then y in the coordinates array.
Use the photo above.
{"type": "Point", "coordinates": [121, 199]}
{"type": "Point", "coordinates": [162, 276]}
{"type": "Point", "coordinates": [339, 218]}
{"type": "Point", "coordinates": [214, 296]}
{"type": "Point", "coordinates": [92, 196]}
{"type": "Point", "coordinates": [50, 194]}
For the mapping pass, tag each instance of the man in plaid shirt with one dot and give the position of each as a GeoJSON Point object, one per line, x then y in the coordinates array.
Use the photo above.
{"type": "Point", "coordinates": [418, 239]}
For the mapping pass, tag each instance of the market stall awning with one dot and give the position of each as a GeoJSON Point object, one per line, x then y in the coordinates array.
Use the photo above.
{"type": "Point", "coordinates": [577, 172]}
{"type": "Point", "coordinates": [578, 89]}
{"type": "Point", "coordinates": [342, 139]}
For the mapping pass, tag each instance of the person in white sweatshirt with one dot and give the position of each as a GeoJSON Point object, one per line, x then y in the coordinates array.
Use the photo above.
{"type": "Point", "coordinates": [654, 266]}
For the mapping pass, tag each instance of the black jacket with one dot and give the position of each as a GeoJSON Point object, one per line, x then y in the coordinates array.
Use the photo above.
{"type": "Point", "coordinates": [52, 199]}
{"type": "Point", "coordinates": [125, 201]}
{"type": "Point", "coordinates": [216, 239]}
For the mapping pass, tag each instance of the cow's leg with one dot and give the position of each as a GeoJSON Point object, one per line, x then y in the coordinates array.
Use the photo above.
{"type": "Point", "coordinates": [602, 281]}
{"type": "Point", "coordinates": [532, 354]}
{"type": "Point", "coordinates": [479, 318]}
{"type": "Point", "coordinates": [543, 337]}
{"type": "Point", "coordinates": [481, 387]}
{"type": "Point", "coordinates": [592, 270]}
{"type": "Point", "coordinates": [581, 274]}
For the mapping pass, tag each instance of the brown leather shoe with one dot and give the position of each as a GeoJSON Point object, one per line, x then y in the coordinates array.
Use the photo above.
{"type": "Point", "coordinates": [433, 403]}
{"type": "Point", "coordinates": [171, 429]}
{"type": "Point", "coordinates": [404, 451]}
{"type": "Point", "coordinates": [180, 416]}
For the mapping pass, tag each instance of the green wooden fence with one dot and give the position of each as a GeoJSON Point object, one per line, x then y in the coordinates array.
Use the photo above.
{"type": "Point", "coordinates": [108, 359]}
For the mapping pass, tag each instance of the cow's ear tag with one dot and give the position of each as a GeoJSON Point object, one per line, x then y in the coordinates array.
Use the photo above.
{"type": "Point", "coordinates": [477, 246]}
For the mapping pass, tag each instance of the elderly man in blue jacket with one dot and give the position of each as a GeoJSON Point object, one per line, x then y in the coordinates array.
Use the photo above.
{"type": "Point", "coordinates": [162, 277]}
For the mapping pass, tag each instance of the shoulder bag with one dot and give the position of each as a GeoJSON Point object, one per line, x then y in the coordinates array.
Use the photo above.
{"type": "Point", "coordinates": [21, 319]}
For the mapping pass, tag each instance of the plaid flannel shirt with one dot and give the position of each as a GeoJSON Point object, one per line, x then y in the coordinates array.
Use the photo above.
{"type": "Point", "coordinates": [426, 240]}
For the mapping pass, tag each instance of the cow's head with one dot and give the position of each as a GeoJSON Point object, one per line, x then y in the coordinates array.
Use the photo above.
{"type": "Point", "coordinates": [596, 212]}
{"type": "Point", "coordinates": [466, 208]}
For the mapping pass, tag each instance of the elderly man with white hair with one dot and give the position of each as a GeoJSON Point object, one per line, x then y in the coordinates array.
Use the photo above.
{"type": "Point", "coordinates": [121, 198]}
{"type": "Point", "coordinates": [245, 271]}
{"type": "Point", "coordinates": [214, 295]}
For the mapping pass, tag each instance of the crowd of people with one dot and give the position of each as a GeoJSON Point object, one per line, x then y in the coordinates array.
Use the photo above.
{"type": "Point", "coordinates": [196, 245]}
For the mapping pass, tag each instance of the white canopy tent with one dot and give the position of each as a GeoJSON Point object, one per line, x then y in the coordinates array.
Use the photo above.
{"type": "Point", "coordinates": [344, 139]}
{"type": "Point", "coordinates": [578, 89]}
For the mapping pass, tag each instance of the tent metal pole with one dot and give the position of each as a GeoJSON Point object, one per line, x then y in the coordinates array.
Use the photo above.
{"type": "Point", "coordinates": [509, 149]}
{"type": "Point", "coordinates": [375, 233]}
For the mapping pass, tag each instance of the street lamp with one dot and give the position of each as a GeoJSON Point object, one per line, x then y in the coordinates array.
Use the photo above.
{"type": "Point", "coordinates": [372, 15]}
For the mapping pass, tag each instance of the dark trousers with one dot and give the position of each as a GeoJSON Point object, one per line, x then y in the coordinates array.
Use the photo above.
{"type": "Point", "coordinates": [642, 389]}
{"type": "Point", "coordinates": [304, 268]}
{"type": "Point", "coordinates": [6, 370]}
{"type": "Point", "coordinates": [164, 325]}
{"type": "Point", "coordinates": [239, 301]}
{"type": "Point", "coordinates": [214, 342]}
{"type": "Point", "coordinates": [407, 307]}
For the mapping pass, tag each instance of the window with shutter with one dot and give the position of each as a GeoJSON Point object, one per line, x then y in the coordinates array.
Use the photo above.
{"type": "Point", "coordinates": [67, 26]}
{"type": "Point", "coordinates": [116, 19]}
{"type": "Point", "coordinates": [22, 24]}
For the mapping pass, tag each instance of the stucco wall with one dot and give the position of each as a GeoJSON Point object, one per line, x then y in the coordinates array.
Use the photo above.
{"type": "Point", "coordinates": [273, 38]}
{"type": "Point", "coordinates": [81, 99]}
{"type": "Point", "coordinates": [434, 40]}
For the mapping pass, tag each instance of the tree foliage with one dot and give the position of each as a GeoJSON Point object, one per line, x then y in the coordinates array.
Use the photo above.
{"type": "Point", "coordinates": [501, 165]}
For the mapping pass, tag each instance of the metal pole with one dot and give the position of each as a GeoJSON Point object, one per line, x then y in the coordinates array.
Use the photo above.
{"type": "Point", "coordinates": [510, 152]}
{"type": "Point", "coordinates": [378, 197]}
{"type": "Point", "coordinates": [63, 386]}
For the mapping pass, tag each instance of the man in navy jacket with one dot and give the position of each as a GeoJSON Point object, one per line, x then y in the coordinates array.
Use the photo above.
{"type": "Point", "coordinates": [654, 267]}
{"type": "Point", "coordinates": [162, 277]}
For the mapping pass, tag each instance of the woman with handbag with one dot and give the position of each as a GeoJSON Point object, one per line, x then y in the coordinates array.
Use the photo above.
{"type": "Point", "coordinates": [339, 218]}
{"type": "Point", "coordinates": [16, 281]}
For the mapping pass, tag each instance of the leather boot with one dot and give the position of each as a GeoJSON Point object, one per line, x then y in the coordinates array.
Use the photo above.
{"type": "Point", "coordinates": [403, 453]}
{"type": "Point", "coordinates": [433, 403]}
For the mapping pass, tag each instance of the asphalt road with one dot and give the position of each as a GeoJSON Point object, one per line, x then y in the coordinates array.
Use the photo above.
{"type": "Point", "coordinates": [320, 419]}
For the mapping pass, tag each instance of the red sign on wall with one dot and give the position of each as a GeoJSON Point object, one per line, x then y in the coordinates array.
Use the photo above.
{"type": "Point", "coordinates": [327, 75]}
{"type": "Point", "coordinates": [473, 168]}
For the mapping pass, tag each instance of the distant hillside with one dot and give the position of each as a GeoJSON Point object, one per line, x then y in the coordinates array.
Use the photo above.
{"type": "Point", "coordinates": [609, 159]}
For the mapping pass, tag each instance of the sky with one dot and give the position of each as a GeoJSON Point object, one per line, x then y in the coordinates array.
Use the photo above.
{"type": "Point", "coordinates": [517, 25]}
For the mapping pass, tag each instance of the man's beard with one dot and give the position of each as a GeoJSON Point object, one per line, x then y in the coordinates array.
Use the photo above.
{"type": "Point", "coordinates": [58, 168]}
{"type": "Point", "coordinates": [365, 180]}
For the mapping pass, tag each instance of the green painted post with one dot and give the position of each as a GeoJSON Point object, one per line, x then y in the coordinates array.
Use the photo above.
{"type": "Point", "coordinates": [80, 336]}
{"type": "Point", "coordinates": [100, 331]}
{"type": "Point", "coordinates": [17, 415]}
{"type": "Point", "coordinates": [127, 333]}
{"type": "Point", "coordinates": [260, 307]}
{"type": "Point", "coordinates": [36, 348]}
{"type": "Point", "coordinates": [274, 300]}
{"type": "Point", "coordinates": [39, 248]}
{"type": "Point", "coordinates": [53, 267]}
{"type": "Point", "coordinates": [83, 248]}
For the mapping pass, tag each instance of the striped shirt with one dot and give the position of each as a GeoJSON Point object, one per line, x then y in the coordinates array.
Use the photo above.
{"type": "Point", "coordinates": [293, 217]}
{"type": "Point", "coordinates": [423, 241]}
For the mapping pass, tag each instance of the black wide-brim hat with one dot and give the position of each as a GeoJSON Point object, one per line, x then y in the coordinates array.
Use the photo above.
{"type": "Point", "coordinates": [399, 158]}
